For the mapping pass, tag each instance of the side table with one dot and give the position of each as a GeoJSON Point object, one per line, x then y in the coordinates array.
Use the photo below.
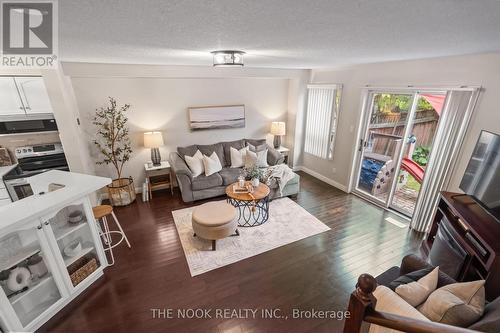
{"type": "Point", "coordinates": [284, 152]}
{"type": "Point", "coordinates": [159, 176]}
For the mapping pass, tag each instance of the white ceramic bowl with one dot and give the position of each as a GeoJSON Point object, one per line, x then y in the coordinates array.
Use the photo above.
{"type": "Point", "coordinates": [73, 248]}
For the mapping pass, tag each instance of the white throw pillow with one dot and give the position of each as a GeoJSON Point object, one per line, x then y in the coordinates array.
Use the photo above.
{"type": "Point", "coordinates": [415, 293]}
{"type": "Point", "coordinates": [195, 163]}
{"type": "Point", "coordinates": [238, 157]}
{"type": "Point", "coordinates": [388, 301]}
{"type": "Point", "coordinates": [212, 164]}
{"type": "Point", "coordinates": [256, 158]}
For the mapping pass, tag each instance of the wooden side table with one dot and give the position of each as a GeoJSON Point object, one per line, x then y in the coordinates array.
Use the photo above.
{"type": "Point", "coordinates": [284, 152]}
{"type": "Point", "coordinates": [159, 176]}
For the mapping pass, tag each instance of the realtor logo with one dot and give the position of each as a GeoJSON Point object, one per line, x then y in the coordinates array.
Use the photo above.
{"type": "Point", "coordinates": [28, 34]}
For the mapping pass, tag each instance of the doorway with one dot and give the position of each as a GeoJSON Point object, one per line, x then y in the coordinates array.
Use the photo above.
{"type": "Point", "coordinates": [399, 130]}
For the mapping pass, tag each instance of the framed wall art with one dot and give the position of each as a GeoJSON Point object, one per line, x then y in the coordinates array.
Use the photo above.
{"type": "Point", "coordinates": [216, 117]}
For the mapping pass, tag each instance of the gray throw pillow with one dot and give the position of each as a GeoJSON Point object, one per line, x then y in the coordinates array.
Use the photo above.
{"type": "Point", "coordinates": [257, 148]}
{"type": "Point", "coordinates": [217, 148]}
{"type": "Point", "coordinates": [255, 142]}
{"type": "Point", "coordinates": [238, 144]}
{"type": "Point", "coordinates": [187, 151]}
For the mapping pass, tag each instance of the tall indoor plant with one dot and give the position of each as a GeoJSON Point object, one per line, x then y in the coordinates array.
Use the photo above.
{"type": "Point", "coordinates": [113, 142]}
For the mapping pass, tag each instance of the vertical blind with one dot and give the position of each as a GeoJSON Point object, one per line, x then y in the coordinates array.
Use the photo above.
{"type": "Point", "coordinates": [451, 131]}
{"type": "Point", "coordinates": [321, 120]}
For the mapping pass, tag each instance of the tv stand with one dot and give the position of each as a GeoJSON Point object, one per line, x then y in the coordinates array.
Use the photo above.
{"type": "Point", "coordinates": [476, 232]}
{"type": "Point", "coordinates": [456, 195]}
{"type": "Point", "coordinates": [466, 196]}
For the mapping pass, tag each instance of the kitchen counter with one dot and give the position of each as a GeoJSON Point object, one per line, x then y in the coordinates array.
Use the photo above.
{"type": "Point", "coordinates": [76, 186]}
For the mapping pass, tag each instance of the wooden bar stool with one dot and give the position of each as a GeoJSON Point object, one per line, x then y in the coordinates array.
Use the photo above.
{"type": "Point", "coordinates": [100, 213]}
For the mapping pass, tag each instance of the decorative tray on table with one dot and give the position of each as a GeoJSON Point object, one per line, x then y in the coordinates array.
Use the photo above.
{"type": "Point", "coordinates": [248, 188]}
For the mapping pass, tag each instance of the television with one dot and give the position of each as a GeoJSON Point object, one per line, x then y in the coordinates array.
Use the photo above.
{"type": "Point", "coordinates": [481, 179]}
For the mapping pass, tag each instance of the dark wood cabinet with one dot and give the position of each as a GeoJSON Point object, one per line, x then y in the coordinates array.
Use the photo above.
{"type": "Point", "coordinates": [475, 232]}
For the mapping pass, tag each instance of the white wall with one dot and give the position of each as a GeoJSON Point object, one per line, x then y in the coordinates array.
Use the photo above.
{"type": "Point", "coordinates": [481, 70]}
{"type": "Point", "coordinates": [161, 104]}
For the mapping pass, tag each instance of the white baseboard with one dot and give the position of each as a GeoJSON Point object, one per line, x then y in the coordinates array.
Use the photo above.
{"type": "Point", "coordinates": [319, 176]}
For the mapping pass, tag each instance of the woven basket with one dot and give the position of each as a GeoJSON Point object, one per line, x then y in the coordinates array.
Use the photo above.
{"type": "Point", "coordinates": [121, 192]}
{"type": "Point", "coordinates": [82, 268]}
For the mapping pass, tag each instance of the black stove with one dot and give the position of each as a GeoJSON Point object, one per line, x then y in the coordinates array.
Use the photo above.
{"type": "Point", "coordinates": [30, 166]}
{"type": "Point", "coordinates": [31, 161]}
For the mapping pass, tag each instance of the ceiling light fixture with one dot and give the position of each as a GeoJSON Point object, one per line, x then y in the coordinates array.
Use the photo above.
{"type": "Point", "coordinates": [228, 58]}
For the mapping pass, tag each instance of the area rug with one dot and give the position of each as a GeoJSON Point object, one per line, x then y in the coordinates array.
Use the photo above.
{"type": "Point", "coordinates": [288, 222]}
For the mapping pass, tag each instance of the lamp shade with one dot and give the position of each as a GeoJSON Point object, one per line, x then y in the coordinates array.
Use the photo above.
{"type": "Point", "coordinates": [153, 139]}
{"type": "Point", "coordinates": [278, 128]}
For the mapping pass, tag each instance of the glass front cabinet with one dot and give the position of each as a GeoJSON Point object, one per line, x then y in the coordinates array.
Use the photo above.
{"type": "Point", "coordinates": [45, 263]}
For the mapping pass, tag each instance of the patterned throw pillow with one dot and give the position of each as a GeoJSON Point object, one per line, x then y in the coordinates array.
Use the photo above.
{"type": "Point", "coordinates": [258, 159]}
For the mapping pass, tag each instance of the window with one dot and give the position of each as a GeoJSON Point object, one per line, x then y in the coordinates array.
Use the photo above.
{"type": "Point", "coordinates": [321, 119]}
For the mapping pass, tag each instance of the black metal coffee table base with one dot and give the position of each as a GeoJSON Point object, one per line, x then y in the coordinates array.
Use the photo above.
{"type": "Point", "coordinates": [251, 213]}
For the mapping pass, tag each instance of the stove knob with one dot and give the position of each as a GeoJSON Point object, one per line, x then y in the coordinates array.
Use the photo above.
{"type": "Point", "coordinates": [25, 150]}
{"type": "Point", "coordinates": [18, 151]}
{"type": "Point", "coordinates": [30, 150]}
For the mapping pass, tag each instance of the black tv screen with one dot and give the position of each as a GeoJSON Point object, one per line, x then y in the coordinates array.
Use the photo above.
{"type": "Point", "coordinates": [482, 177]}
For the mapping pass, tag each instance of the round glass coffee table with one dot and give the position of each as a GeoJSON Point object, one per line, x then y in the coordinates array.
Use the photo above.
{"type": "Point", "coordinates": [253, 207]}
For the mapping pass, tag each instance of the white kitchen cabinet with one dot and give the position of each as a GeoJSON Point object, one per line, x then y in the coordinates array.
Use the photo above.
{"type": "Point", "coordinates": [23, 96]}
{"type": "Point", "coordinates": [10, 102]}
{"type": "Point", "coordinates": [33, 94]}
{"type": "Point", "coordinates": [69, 272]}
{"type": "Point", "coordinates": [65, 236]}
{"type": "Point", "coordinates": [22, 309]}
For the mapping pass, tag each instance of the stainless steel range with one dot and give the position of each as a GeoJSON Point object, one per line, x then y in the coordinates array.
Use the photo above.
{"type": "Point", "coordinates": [33, 160]}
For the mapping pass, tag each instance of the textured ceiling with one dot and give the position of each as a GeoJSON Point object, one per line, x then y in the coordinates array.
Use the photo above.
{"type": "Point", "coordinates": [275, 33]}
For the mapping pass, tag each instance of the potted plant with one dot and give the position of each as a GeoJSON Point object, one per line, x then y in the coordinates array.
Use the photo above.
{"type": "Point", "coordinates": [254, 174]}
{"type": "Point", "coordinates": [113, 142]}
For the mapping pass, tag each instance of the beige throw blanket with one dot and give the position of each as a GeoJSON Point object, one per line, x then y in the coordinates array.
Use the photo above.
{"type": "Point", "coordinates": [280, 173]}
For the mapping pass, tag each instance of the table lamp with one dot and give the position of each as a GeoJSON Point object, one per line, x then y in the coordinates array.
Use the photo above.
{"type": "Point", "coordinates": [277, 129]}
{"type": "Point", "coordinates": [154, 140]}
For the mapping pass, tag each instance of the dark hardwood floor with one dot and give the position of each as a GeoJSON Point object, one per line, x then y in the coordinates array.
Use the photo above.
{"type": "Point", "coordinates": [318, 272]}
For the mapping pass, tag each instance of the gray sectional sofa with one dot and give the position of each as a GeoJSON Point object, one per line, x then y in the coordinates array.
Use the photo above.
{"type": "Point", "coordinates": [203, 187]}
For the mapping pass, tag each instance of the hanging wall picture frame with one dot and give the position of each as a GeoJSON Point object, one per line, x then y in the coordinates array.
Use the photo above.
{"type": "Point", "coordinates": [216, 117]}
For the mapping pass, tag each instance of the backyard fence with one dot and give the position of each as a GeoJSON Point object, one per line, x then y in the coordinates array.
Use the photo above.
{"type": "Point", "coordinates": [424, 127]}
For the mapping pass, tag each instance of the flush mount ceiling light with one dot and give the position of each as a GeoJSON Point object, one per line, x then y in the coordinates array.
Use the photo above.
{"type": "Point", "coordinates": [228, 58]}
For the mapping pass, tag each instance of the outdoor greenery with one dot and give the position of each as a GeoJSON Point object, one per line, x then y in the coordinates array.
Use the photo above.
{"type": "Point", "coordinates": [421, 155]}
{"type": "Point", "coordinates": [412, 183]}
{"type": "Point", "coordinates": [393, 103]}
{"type": "Point", "coordinates": [112, 137]}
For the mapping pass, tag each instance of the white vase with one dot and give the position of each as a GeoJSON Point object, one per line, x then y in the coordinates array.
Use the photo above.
{"type": "Point", "coordinates": [255, 182]}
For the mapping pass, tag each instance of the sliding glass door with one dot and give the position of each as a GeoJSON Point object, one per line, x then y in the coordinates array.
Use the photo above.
{"type": "Point", "coordinates": [421, 132]}
{"type": "Point", "coordinates": [399, 129]}
{"type": "Point", "coordinates": [382, 142]}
